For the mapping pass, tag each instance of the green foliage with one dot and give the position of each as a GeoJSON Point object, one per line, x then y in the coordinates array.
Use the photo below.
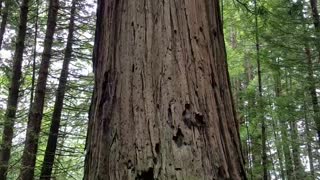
{"type": "Point", "coordinates": [285, 31]}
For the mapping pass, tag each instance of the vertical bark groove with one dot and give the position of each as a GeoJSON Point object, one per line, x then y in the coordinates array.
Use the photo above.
{"type": "Point", "coordinates": [154, 114]}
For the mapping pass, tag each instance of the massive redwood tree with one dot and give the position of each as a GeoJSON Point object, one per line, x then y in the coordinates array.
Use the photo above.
{"type": "Point", "coordinates": [162, 107]}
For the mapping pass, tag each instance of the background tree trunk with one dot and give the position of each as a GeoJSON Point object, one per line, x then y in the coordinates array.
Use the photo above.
{"type": "Point", "coordinates": [162, 105]}
{"type": "Point", "coordinates": [4, 19]}
{"type": "Point", "coordinates": [12, 102]}
{"type": "Point", "coordinates": [315, 14]}
{"type": "Point", "coordinates": [316, 22]}
{"type": "Point", "coordinates": [56, 116]}
{"type": "Point", "coordinates": [313, 92]}
{"type": "Point", "coordinates": [308, 135]}
{"type": "Point", "coordinates": [35, 115]}
{"type": "Point", "coordinates": [34, 58]}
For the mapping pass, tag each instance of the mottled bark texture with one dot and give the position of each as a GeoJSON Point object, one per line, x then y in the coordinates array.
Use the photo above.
{"type": "Point", "coordinates": [12, 102]}
{"type": "Point", "coordinates": [36, 112]}
{"type": "Point", "coordinates": [162, 107]}
{"type": "Point", "coordinates": [50, 151]}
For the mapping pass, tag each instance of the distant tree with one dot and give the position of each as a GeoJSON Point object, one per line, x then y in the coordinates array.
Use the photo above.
{"type": "Point", "coordinates": [50, 151]}
{"type": "Point", "coordinates": [36, 112]}
{"type": "Point", "coordinates": [12, 101]}
{"type": "Point", "coordinates": [4, 19]}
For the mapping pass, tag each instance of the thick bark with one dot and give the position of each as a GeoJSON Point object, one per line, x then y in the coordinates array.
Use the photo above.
{"type": "Point", "coordinates": [36, 112]}
{"type": "Point", "coordinates": [162, 106]}
{"type": "Point", "coordinates": [3, 24]}
{"type": "Point", "coordinates": [56, 116]}
{"type": "Point", "coordinates": [12, 102]}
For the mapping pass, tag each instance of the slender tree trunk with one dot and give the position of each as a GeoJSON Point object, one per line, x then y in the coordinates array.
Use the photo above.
{"type": "Point", "coordinates": [312, 92]}
{"type": "Point", "coordinates": [34, 54]}
{"type": "Point", "coordinates": [56, 116]}
{"type": "Point", "coordinates": [298, 168]}
{"type": "Point", "coordinates": [315, 14]}
{"type": "Point", "coordinates": [278, 147]}
{"type": "Point", "coordinates": [12, 102]}
{"type": "Point", "coordinates": [298, 172]}
{"type": "Point", "coordinates": [316, 22]}
{"type": "Point", "coordinates": [249, 116]}
{"type": "Point", "coordinates": [35, 115]}
{"type": "Point", "coordinates": [163, 107]}
{"type": "Point", "coordinates": [57, 167]}
{"type": "Point", "coordinates": [284, 135]}
{"type": "Point", "coordinates": [309, 140]}
{"type": "Point", "coordinates": [286, 150]}
{"type": "Point", "coordinates": [0, 6]}
{"type": "Point", "coordinates": [4, 20]}
{"type": "Point", "coordinates": [260, 103]}
{"type": "Point", "coordinates": [277, 90]}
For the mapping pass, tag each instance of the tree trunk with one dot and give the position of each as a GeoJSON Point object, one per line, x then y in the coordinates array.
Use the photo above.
{"type": "Point", "coordinates": [309, 140]}
{"type": "Point", "coordinates": [316, 22]}
{"type": "Point", "coordinates": [278, 148]}
{"type": "Point", "coordinates": [275, 124]}
{"type": "Point", "coordinates": [284, 133]}
{"type": "Point", "coordinates": [12, 102]}
{"type": "Point", "coordinates": [35, 115]}
{"type": "Point", "coordinates": [312, 92]}
{"type": "Point", "coordinates": [4, 21]}
{"type": "Point", "coordinates": [162, 105]}
{"type": "Point", "coordinates": [34, 54]}
{"type": "Point", "coordinates": [0, 6]}
{"type": "Point", "coordinates": [315, 14]}
{"type": "Point", "coordinates": [56, 116]}
{"type": "Point", "coordinates": [260, 101]}
{"type": "Point", "coordinates": [295, 143]}
{"type": "Point", "coordinates": [286, 150]}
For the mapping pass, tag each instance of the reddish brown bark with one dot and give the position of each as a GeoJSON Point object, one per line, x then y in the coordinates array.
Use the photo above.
{"type": "Point", "coordinates": [162, 107]}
